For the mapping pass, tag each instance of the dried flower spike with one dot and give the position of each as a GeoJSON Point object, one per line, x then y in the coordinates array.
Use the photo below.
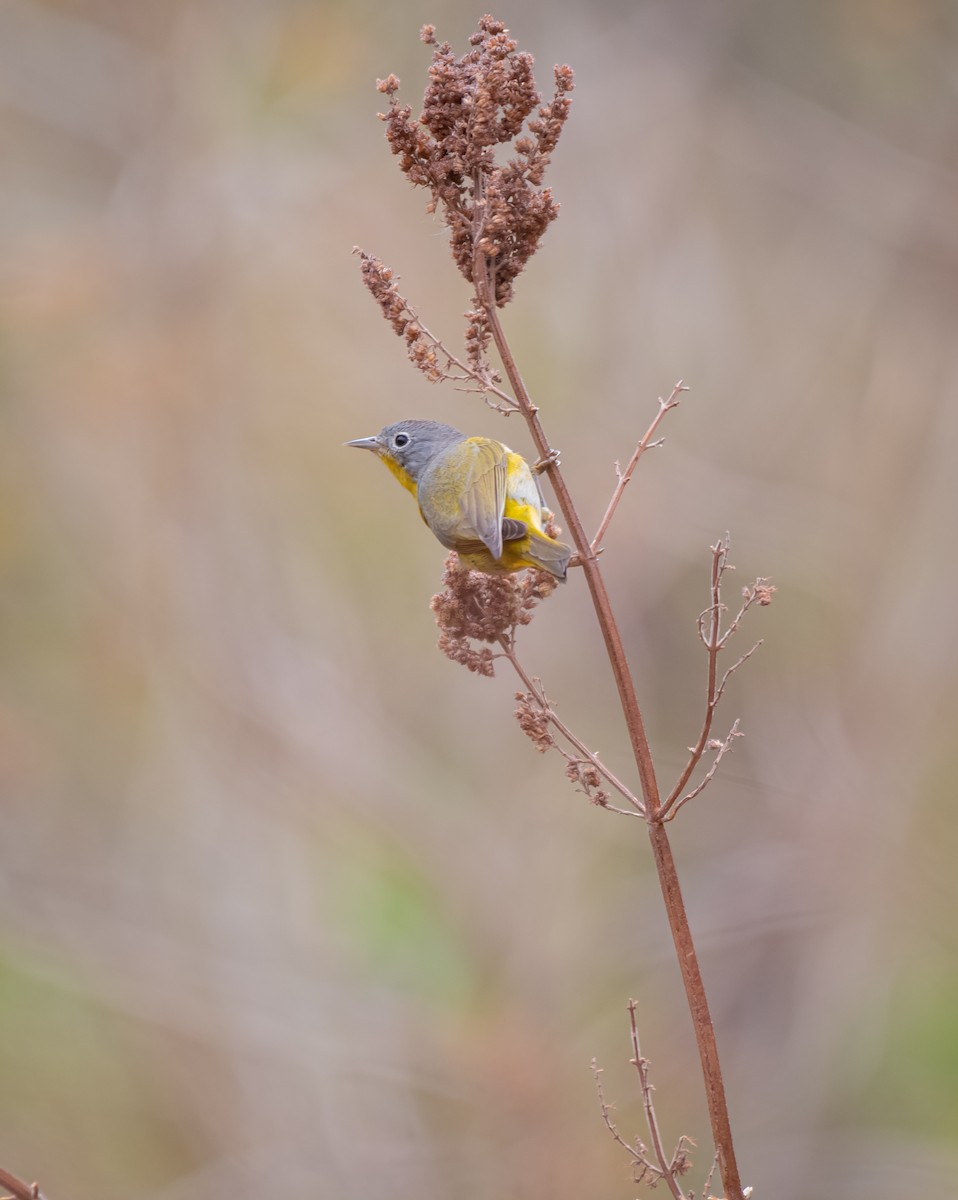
{"type": "Point", "coordinates": [475, 607]}
{"type": "Point", "coordinates": [534, 721]}
{"type": "Point", "coordinates": [486, 98]}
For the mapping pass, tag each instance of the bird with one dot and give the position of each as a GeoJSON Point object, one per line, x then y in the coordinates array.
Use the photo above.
{"type": "Point", "coordinates": [478, 497]}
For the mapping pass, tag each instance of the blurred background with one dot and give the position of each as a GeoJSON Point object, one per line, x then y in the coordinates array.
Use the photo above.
{"type": "Point", "coordinates": [289, 904]}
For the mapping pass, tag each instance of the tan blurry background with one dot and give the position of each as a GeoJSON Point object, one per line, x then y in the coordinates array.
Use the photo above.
{"type": "Point", "coordinates": [288, 905]}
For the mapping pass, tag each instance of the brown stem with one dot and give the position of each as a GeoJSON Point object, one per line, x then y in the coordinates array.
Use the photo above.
{"type": "Point", "coordinates": [642, 1066]}
{"type": "Point", "coordinates": [566, 732]}
{"type": "Point", "coordinates": [698, 1007]}
{"type": "Point", "coordinates": [18, 1189]}
{"type": "Point", "coordinates": [661, 849]}
{"type": "Point", "coordinates": [588, 559]}
{"type": "Point", "coordinates": [637, 1153]}
{"type": "Point", "coordinates": [645, 443]}
{"type": "Point", "coordinates": [713, 644]}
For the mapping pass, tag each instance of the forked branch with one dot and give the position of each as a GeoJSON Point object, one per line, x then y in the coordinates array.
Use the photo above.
{"type": "Point", "coordinates": [645, 443]}
{"type": "Point", "coordinates": [715, 640]}
{"type": "Point", "coordinates": [536, 704]}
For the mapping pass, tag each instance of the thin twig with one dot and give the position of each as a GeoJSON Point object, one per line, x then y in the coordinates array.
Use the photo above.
{"type": "Point", "coordinates": [714, 640]}
{"type": "Point", "coordinates": [535, 690]}
{"type": "Point", "coordinates": [760, 592]}
{"type": "Point", "coordinates": [642, 1066]}
{"type": "Point", "coordinates": [645, 443]}
{"type": "Point", "coordinates": [484, 385]}
{"type": "Point", "coordinates": [710, 618]}
{"type": "Point", "coordinates": [722, 748]}
{"type": "Point", "coordinates": [734, 667]}
{"type": "Point", "coordinates": [636, 1152]}
{"type": "Point", "coordinates": [18, 1189]}
{"type": "Point", "coordinates": [709, 1177]}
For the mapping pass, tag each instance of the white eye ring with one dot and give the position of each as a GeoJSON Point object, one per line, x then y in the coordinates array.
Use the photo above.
{"type": "Point", "coordinates": [401, 440]}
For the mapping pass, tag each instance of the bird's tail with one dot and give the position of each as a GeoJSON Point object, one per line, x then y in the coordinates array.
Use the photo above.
{"type": "Point", "coordinates": [548, 555]}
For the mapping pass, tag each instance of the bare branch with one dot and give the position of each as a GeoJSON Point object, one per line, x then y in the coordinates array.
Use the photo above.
{"type": "Point", "coordinates": [711, 1175]}
{"type": "Point", "coordinates": [535, 690]}
{"type": "Point", "coordinates": [679, 1161]}
{"type": "Point", "coordinates": [709, 625]}
{"type": "Point", "coordinates": [734, 667]}
{"type": "Point", "coordinates": [645, 443]}
{"type": "Point", "coordinates": [637, 1152]}
{"type": "Point", "coordinates": [722, 748]}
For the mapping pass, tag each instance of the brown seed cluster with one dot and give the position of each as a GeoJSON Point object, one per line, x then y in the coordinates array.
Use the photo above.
{"type": "Point", "coordinates": [384, 288]}
{"type": "Point", "coordinates": [534, 721]}
{"type": "Point", "coordinates": [762, 592]}
{"type": "Point", "coordinates": [473, 104]}
{"type": "Point", "coordinates": [475, 607]}
{"type": "Point", "coordinates": [585, 776]}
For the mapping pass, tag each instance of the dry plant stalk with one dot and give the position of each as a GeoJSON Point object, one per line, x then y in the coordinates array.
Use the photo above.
{"type": "Point", "coordinates": [18, 1189]}
{"type": "Point", "coordinates": [480, 147]}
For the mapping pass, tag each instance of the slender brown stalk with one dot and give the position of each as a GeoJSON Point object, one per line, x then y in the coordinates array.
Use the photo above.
{"type": "Point", "coordinates": [713, 617]}
{"type": "Point", "coordinates": [642, 1067]}
{"type": "Point", "coordinates": [661, 848]}
{"type": "Point", "coordinates": [18, 1189]}
{"type": "Point", "coordinates": [645, 443]}
{"type": "Point", "coordinates": [575, 529]}
{"type": "Point", "coordinates": [638, 808]}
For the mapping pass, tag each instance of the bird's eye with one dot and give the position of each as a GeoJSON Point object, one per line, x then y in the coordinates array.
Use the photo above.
{"type": "Point", "coordinates": [401, 440]}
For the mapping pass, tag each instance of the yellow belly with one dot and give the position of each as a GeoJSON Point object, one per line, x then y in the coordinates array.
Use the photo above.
{"type": "Point", "coordinates": [535, 550]}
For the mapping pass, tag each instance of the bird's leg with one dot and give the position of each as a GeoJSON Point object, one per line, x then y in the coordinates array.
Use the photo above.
{"type": "Point", "coordinates": [550, 459]}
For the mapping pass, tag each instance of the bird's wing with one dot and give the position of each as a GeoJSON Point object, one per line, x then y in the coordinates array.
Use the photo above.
{"type": "Point", "coordinates": [483, 497]}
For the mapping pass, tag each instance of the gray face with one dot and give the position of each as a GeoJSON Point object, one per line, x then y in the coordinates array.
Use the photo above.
{"type": "Point", "coordinates": [413, 443]}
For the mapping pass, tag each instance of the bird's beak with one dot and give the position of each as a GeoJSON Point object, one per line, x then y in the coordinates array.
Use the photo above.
{"type": "Point", "coordinates": [367, 443]}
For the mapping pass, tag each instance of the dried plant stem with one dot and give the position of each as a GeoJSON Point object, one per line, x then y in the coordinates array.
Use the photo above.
{"type": "Point", "coordinates": [713, 616]}
{"type": "Point", "coordinates": [534, 687]}
{"type": "Point", "coordinates": [714, 640]}
{"type": "Point", "coordinates": [18, 1189]}
{"type": "Point", "coordinates": [661, 847]}
{"type": "Point", "coordinates": [645, 443]}
{"type": "Point", "coordinates": [721, 748]}
{"type": "Point", "coordinates": [647, 1170]}
{"type": "Point", "coordinates": [642, 1066]}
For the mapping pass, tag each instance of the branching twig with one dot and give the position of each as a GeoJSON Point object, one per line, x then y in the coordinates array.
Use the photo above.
{"type": "Point", "coordinates": [722, 748]}
{"type": "Point", "coordinates": [679, 1161]}
{"type": "Point", "coordinates": [535, 689]}
{"type": "Point", "coordinates": [644, 1170]}
{"type": "Point", "coordinates": [645, 443]}
{"type": "Point", "coordinates": [733, 668]}
{"type": "Point", "coordinates": [714, 640]}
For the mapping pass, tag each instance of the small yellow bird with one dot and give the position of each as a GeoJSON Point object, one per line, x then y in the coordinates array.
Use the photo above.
{"type": "Point", "coordinates": [479, 498]}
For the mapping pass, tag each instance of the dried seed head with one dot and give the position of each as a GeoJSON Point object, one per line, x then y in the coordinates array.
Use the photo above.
{"type": "Point", "coordinates": [533, 721]}
{"type": "Point", "coordinates": [475, 607]}
{"type": "Point", "coordinates": [384, 288]}
{"type": "Point", "coordinates": [587, 779]}
{"type": "Point", "coordinates": [471, 105]}
{"type": "Point", "coordinates": [763, 591]}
